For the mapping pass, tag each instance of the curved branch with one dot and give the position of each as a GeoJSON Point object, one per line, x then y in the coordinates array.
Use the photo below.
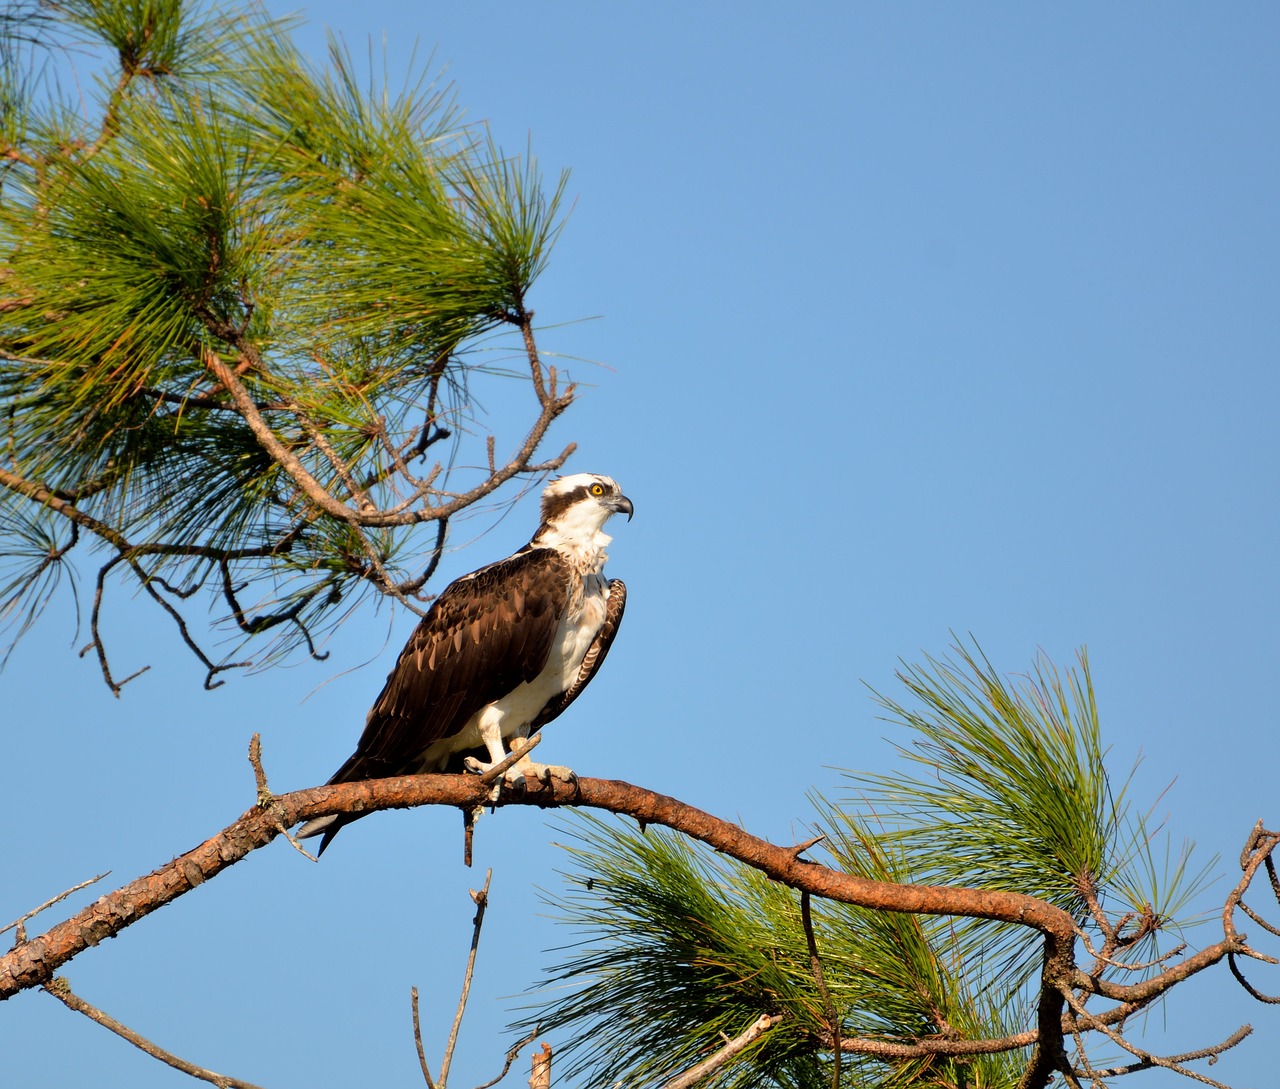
{"type": "Point", "coordinates": [35, 962]}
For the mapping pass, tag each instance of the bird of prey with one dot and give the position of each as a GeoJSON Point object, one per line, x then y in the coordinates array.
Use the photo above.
{"type": "Point", "coordinates": [500, 653]}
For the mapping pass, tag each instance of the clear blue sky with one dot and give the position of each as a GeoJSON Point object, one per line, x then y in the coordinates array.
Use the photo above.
{"type": "Point", "coordinates": [913, 318]}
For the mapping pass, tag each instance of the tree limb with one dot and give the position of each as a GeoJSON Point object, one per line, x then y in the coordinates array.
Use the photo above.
{"type": "Point", "coordinates": [34, 963]}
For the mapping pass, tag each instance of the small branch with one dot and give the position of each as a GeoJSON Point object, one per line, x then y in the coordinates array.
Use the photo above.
{"type": "Point", "coordinates": [800, 848]}
{"type": "Point", "coordinates": [896, 1051]}
{"type": "Point", "coordinates": [496, 772]}
{"type": "Point", "coordinates": [95, 632]}
{"type": "Point", "coordinates": [1252, 990]}
{"type": "Point", "coordinates": [212, 668]}
{"type": "Point", "coordinates": [21, 935]}
{"type": "Point", "coordinates": [481, 899]}
{"type": "Point", "coordinates": [470, 815]}
{"type": "Point", "coordinates": [1259, 919]}
{"type": "Point", "coordinates": [730, 1050]}
{"type": "Point", "coordinates": [815, 965]}
{"type": "Point", "coordinates": [267, 800]}
{"type": "Point", "coordinates": [417, 1038]}
{"type": "Point", "coordinates": [270, 442]}
{"type": "Point", "coordinates": [512, 1054]}
{"type": "Point", "coordinates": [1145, 1058]}
{"type": "Point", "coordinates": [259, 773]}
{"type": "Point", "coordinates": [60, 990]}
{"type": "Point", "coordinates": [1210, 1053]}
{"type": "Point", "coordinates": [412, 586]}
{"type": "Point", "coordinates": [317, 437]}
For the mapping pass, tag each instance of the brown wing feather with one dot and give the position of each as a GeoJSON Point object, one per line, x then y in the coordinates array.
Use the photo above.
{"type": "Point", "coordinates": [483, 636]}
{"type": "Point", "coordinates": [593, 659]}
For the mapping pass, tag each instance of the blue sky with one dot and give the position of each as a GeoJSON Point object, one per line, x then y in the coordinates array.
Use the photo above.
{"type": "Point", "coordinates": [906, 319]}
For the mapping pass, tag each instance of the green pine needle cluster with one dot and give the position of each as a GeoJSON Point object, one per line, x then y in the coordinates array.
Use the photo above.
{"type": "Point", "coordinates": [343, 244]}
{"type": "Point", "coordinates": [681, 949]}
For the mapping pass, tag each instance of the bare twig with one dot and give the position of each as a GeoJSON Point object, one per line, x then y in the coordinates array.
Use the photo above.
{"type": "Point", "coordinates": [417, 1039]}
{"type": "Point", "coordinates": [266, 800]}
{"type": "Point", "coordinates": [1253, 991]}
{"type": "Point", "coordinates": [1187, 1056]}
{"type": "Point", "coordinates": [800, 848]}
{"type": "Point", "coordinates": [19, 923]}
{"type": "Point", "coordinates": [1145, 1058]}
{"type": "Point", "coordinates": [60, 990]}
{"type": "Point", "coordinates": [1268, 927]}
{"type": "Point", "coordinates": [496, 772]}
{"type": "Point", "coordinates": [734, 1047]}
{"type": "Point", "coordinates": [815, 966]}
{"type": "Point", "coordinates": [481, 899]}
{"type": "Point", "coordinates": [259, 773]}
{"type": "Point", "coordinates": [512, 1053]}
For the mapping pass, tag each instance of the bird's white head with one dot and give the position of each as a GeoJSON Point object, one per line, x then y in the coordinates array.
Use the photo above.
{"type": "Point", "coordinates": [574, 511]}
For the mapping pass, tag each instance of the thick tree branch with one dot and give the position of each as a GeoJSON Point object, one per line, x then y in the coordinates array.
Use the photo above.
{"type": "Point", "coordinates": [34, 962]}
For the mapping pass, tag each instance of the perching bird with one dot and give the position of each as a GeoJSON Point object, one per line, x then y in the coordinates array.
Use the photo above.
{"type": "Point", "coordinates": [500, 653]}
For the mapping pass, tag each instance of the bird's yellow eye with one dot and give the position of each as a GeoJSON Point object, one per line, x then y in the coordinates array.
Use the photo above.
{"type": "Point", "coordinates": [597, 489]}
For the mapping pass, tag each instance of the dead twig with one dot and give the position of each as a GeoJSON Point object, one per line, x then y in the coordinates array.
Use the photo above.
{"type": "Point", "coordinates": [266, 800]}
{"type": "Point", "coordinates": [18, 924]}
{"type": "Point", "coordinates": [61, 990]}
{"type": "Point", "coordinates": [815, 966]}
{"type": "Point", "coordinates": [496, 772]}
{"type": "Point", "coordinates": [417, 1039]}
{"type": "Point", "coordinates": [733, 1048]}
{"type": "Point", "coordinates": [1145, 1058]}
{"type": "Point", "coordinates": [1210, 1053]}
{"type": "Point", "coordinates": [512, 1054]}
{"type": "Point", "coordinates": [481, 899]}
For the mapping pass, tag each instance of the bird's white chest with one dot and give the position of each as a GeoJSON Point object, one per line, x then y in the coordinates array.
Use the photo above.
{"type": "Point", "coordinates": [578, 629]}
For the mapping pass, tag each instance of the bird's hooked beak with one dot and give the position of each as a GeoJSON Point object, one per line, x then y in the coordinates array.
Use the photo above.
{"type": "Point", "coordinates": [620, 504]}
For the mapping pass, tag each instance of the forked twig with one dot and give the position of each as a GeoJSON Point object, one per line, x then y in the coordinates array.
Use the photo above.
{"type": "Point", "coordinates": [266, 800]}
{"type": "Point", "coordinates": [481, 900]}
{"type": "Point", "coordinates": [1145, 1058]}
{"type": "Point", "coordinates": [1187, 1056]}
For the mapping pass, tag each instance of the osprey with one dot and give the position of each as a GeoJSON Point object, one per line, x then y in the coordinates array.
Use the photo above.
{"type": "Point", "coordinates": [500, 653]}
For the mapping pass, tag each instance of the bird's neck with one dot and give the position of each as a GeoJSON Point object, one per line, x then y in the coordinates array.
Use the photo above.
{"type": "Point", "coordinates": [582, 545]}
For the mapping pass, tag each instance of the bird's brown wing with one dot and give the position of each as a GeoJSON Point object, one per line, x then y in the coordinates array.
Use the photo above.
{"type": "Point", "coordinates": [483, 636]}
